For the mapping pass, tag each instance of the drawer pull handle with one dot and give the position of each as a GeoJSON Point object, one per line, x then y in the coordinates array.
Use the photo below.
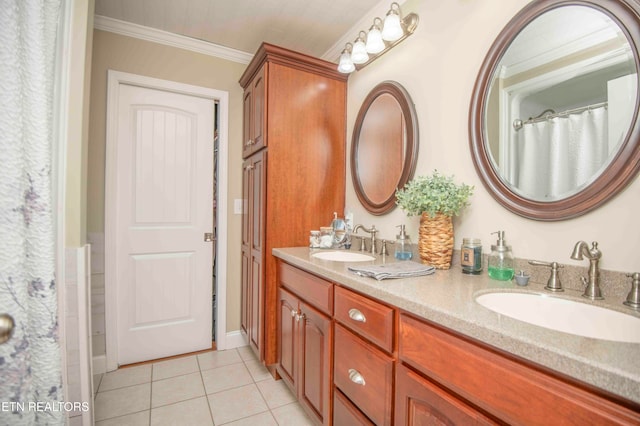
{"type": "Point", "coordinates": [356, 377]}
{"type": "Point", "coordinates": [356, 315]}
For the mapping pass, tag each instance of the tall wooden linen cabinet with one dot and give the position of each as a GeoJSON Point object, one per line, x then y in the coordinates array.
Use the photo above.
{"type": "Point", "coordinates": [293, 172]}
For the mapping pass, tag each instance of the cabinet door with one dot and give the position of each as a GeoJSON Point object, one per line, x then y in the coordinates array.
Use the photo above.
{"type": "Point", "coordinates": [253, 192]}
{"type": "Point", "coordinates": [254, 105]}
{"type": "Point", "coordinates": [419, 402]}
{"type": "Point", "coordinates": [287, 340]}
{"type": "Point", "coordinates": [314, 378]}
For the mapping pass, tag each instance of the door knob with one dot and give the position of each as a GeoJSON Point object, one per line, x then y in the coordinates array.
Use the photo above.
{"type": "Point", "coordinates": [7, 324]}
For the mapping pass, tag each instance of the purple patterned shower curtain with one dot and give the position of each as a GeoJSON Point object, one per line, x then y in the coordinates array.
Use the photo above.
{"type": "Point", "coordinates": [30, 362]}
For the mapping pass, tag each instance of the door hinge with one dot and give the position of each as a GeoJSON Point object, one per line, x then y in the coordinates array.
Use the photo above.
{"type": "Point", "coordinates": [208, 237]}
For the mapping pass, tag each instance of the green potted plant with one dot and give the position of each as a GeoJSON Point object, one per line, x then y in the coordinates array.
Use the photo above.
{"type": "Point", "coordinates": [436, 198]}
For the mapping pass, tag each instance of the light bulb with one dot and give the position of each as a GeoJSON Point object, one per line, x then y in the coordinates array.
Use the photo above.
{"type": "Point", "coordinates": [374, 40]}
{"type": "Point", "coordinates": [359, 54]}
{"type": "Point", "coordinates": [392, 29]}
{"type": "Point", "coordinates": [346, 65]}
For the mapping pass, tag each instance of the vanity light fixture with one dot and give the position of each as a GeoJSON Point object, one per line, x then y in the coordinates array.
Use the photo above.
{"type": "Point", "coordinates": [382, 36]}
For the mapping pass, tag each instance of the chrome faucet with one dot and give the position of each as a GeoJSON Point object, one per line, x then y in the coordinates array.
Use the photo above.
{"type": "Point", "coordinates": [373, 231]}
{"type": "Point", "coordinates": [581, 250]}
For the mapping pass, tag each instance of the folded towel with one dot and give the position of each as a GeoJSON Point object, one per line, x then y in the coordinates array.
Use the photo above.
{"type": "Point", "coordinates": [406, 269]}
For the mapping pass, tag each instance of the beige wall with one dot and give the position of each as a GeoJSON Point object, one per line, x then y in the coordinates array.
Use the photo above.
{"type": "Point", "coordinates": [121, 53]}
{"type": "Point", "coordinates": [79, 62]}
{"type": "Point", "coordinates": [438, 65]}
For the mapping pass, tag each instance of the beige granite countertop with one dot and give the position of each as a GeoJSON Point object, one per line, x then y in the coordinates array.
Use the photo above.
{"type": "Point", "coordinates": [447, 298]}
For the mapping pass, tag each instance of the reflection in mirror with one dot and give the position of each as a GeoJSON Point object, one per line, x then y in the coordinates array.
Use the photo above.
{"type": "Point", "coordinates": [554, 114]}
{"type": "Point", "coordinates": [382, 123]}
{"type": "Point", "coordinates": [561, 103]}
{"type": "Point", "coordinates": [384, 146]}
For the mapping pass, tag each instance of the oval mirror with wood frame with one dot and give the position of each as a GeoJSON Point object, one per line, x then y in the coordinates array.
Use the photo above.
{"type": "Point", "coordinates": [554, 118]}
{"type": "Point", "coordinates": [384, 148]}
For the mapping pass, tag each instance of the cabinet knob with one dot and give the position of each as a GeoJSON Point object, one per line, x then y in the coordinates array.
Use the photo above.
{"type": "Point", "coordinates": [293, 313]}
{"type": "Point", "coordinates": [356, 315]}
{"type": "Point", "coordinates": [249, 142]}
{"type": "Point", "coordinates": [356, 377]}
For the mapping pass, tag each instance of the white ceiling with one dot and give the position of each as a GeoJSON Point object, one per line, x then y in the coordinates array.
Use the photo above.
{"type": "Point", "coordinates": [308, 26]}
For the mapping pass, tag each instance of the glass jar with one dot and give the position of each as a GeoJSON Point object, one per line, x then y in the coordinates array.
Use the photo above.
{"type": "Point", "coordinates": [314, 239]}
{"type": "Point", "coordinates": [326, 237]}
{"type": "Point", "coordinates": [471, 256]}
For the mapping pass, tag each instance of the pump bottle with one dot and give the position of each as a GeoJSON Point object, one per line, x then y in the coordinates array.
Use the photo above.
{"type": "Point", "coordinates": [501, 262]}
{"type": "Point", "coordinates": [403, 249]}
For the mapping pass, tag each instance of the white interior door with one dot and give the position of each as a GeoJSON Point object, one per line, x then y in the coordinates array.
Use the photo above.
{"type": "Point", "coordinates": [164, 193]}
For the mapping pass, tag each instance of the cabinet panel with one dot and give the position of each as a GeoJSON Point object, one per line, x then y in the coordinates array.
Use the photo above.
{"type": "Point", "coordinates": [505, 388]}
{"type": "Point", "coordinates": [420, 402]}
{"type": "Point", "coordinates": [315, 363]}
{"type": "Point", "coordinates": [366, 317]}
{"type": "Point", "coordinates": [258, 112]}
{"type": "Point", "coordinates": [364, 374]}
{"type": "Point", "coordinates": [287, 340]}
{"type": "Point", "coordinates": [314, 290]}
{"type": "Point", "coordinates": [345, 413]}
{"type": "Point", "coordinates": [245, 303]}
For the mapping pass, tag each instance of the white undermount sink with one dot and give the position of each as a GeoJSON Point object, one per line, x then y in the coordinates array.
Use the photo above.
{"type": "Point", "coordinates": [564, 315]}
{"type": "Point", "coordinates": [343, 256]}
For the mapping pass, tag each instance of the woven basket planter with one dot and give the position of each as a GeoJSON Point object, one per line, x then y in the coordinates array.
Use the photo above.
{"type": "Point", "coordinates": [435, 240]}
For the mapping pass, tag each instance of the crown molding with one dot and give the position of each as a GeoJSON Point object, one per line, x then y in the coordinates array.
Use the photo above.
{"type": "Point", "coordinates": [170, 39]}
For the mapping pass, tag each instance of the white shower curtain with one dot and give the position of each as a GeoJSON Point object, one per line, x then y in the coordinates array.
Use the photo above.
{"type": "Point", "coordinates": [30, 377]}
{"type": "Point", "coordinates": [558, 155]}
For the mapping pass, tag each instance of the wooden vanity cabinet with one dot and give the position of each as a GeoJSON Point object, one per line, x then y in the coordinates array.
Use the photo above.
{"type": "Point", "coordinates": [305, 339]}
{"type": "Point", "coordinates": [462, 379]}
{"type": "Point", "coordinates": [294, 116]}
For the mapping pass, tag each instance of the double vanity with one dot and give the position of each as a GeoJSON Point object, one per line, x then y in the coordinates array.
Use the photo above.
{"type": "Point", "coordinates": [436, 348]}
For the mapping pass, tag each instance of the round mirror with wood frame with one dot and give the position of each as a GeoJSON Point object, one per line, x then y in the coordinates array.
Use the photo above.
{"type": "Point", "coordinates": [384, 148]}
{"type": "Point", "coordinates": [623, 162]}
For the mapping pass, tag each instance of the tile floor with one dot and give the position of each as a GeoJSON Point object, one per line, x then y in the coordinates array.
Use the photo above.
{"type": "Point", "coordinates": [215, 388]}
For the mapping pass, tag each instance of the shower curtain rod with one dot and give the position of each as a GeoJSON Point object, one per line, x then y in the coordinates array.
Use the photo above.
{"type": "Point", "coordinates": [549, 114]}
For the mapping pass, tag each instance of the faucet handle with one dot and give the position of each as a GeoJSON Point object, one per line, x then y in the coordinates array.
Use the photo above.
{"type": "Point", "coordinates": [553, 284]}
{"type": "Point", "coordinates": [633, 298]}
{"type": "Point", "coordinates": [383, 248]}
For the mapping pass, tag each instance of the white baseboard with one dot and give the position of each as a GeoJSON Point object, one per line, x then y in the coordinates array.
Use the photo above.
{"type": "Point", "coordinates": [99, 364]}
{"type": "Point", "coordinates": [235, 339]}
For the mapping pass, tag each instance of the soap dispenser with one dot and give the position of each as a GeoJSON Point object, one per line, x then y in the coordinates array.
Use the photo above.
{"type": "Point", "coordinates": [501, 262]}
{"type": "Point", "coordinates": [403, 249]}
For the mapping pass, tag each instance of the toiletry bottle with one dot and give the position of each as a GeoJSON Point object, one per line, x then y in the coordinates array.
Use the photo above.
{"type": "Point", "coordinates": [403, 249]}
{"type": "Point", "coordinates": [501, 263]}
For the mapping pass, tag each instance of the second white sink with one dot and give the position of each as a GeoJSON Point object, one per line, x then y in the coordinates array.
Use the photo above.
{"type": "Point", "coordinates": [343, 256]}
{"type": "Point", "coordinates": [564, 315]}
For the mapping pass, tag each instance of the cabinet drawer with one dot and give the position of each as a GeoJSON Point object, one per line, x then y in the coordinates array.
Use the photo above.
{"type": "Point", "coordinates": [345, 413]}
{"type": "Point", "coordinates": [312, 289]}
{"type": "Point", "coordinates": [364, 374]}
{"type": "Point", "coordinates": [370, 319]}
{"type": "Point", "coordinates": [512, 391]}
